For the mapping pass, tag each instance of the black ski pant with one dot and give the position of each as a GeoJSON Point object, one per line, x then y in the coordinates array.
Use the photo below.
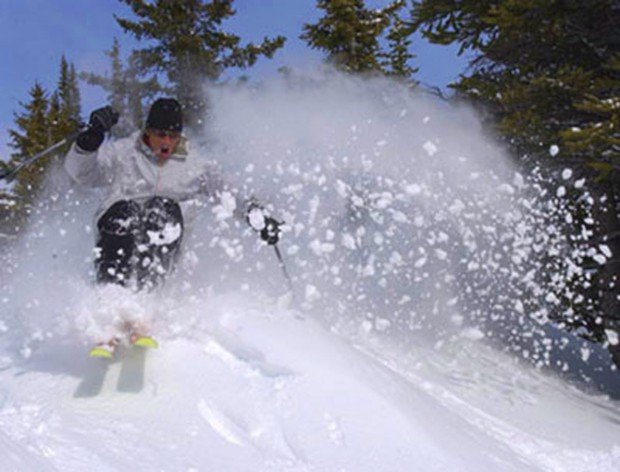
{"type": "Point", "coordinates": [138, 241]}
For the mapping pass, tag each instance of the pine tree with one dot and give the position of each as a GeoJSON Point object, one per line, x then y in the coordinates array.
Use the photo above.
{"type": "Point", "coordinates": [56, 118]}
{"type": "Point", "coordinates": [74, 105]}
{"type": "Point", "coordinates": [32, 136]}
{"type": "Point", "coordinates": [126, 93]}
{"type": "Point", "coordinates": [64, 107]}
{"type": "Point", "coordinates": [42, 122]}
{"type": "Point", "coordinates": [599, 136]}
{"type": "Point", "coordinates": [399, 52]}
{"type": "Point", "coordinates": [548, 71]}
{"type": "Point", "coordinates": [350, 34]}
{"type": "Point", "coordinates": [68, 95]}
{"type": "Point", "coordinates": [190, 46]}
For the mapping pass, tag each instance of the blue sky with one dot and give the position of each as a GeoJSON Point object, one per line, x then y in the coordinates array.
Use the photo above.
{"type": "Point", "coordinates": [34, 34]}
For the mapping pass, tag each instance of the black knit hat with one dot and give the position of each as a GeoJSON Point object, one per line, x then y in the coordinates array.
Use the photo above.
{"type": "Point", "coordinates": [165, 114]}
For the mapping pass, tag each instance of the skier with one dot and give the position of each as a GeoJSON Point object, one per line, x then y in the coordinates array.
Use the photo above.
{"type": "Point", "coordinates": [151, 179]}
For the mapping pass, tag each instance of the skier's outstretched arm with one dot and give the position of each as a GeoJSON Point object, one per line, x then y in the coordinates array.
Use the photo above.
{"type": "Point", "coordinates": [82, 162]}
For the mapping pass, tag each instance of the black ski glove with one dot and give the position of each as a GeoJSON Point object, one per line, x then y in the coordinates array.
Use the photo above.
{"type": "Point", "coordinates": [101, 121]}
{"type": "Point", "coordinates": [268, 227]}
{"type": "Point", "coordinates": [271, 232]}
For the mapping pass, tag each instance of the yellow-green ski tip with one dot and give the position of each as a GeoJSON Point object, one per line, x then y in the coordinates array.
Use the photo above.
{"type": "Point", "coordinates": [146, 341]}
{"type": "Point", "coordinates": [100, 351]}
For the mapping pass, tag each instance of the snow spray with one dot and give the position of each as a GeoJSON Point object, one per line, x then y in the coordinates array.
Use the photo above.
{"type": "Point", "coordinates": [404, 219]}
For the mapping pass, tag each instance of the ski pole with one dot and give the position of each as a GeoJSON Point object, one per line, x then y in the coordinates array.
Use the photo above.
{"type": "Point", "coordinates": [283, 267]}
{"type": "Point", "coordinates": [10, 174]}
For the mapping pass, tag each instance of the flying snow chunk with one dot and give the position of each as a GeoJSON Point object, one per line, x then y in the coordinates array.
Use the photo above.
{"type": "Point", "coordinates": [605, 250]}
{"type": "Point", "coordinates": [294, 189]}
{"type": "Point", "coordinates": [413, 189]}
{"type": "Point", "coordinates": [567, 174]}
{"type": "Point", "coordinates": [420, 263]}
{"type": "Point", "coordinates": [452, 301]}
{"type": "Point", "coordinates": [384, 201]}
{"type": "Point", "coordinates": [382, 324]}
{"type": "Point", "coordinates": [256, 218]}
{"type": "Point", "coordinates": [348, 241]}
{"type": "Point", "coordinates": [320, 248]}
{"type": "Point", "coordinates": [580, 183]}
{"type": "Point", "coordinates": [396, 259]}
{"type": "Point", "coordinates": [519, 306]}
{"type": "Point", "coordinates": [552, 298]}
{"type": "Point", "coordinates": [518, 180]}
{"type": "Point", "coordinates": [554, 150]}
{"type": "Point", "coordinates": [357, 201]}
{"type": "Point", "coordinates": [26, 352]}
{"type": "Point", "coordinates": [226, 208]}
{"type": "Point", "coordinates": [312, 294]}
{"type": "Point", "coordinates": [400, 217]}
{"type": "Point", "coordinates": [585, 354]}
{"type": "Point", "coordinates": [612, 337]}
{"type": "Point", "coordinates": [430, 148]}
{"type": "Point", "coordinates": [472, 265]}
{"type": "Point", "coordinates": [506, 188]}
{"type": "Point", "coordinates": [472, 333]}
{"type": "Point", "coordinates": [369, 269]}
{"type": "Point", "coordinates": [341, 188]}
{"type": "Point", "coordinates": [561, 191]}
{"type": "Point", "coordinates": [366, 327]}
{"type": "Point", "coordinates": [457, 207]}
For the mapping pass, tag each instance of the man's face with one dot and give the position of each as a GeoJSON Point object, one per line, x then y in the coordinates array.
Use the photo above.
{"type": "Point", "coordinates": [162, 142]}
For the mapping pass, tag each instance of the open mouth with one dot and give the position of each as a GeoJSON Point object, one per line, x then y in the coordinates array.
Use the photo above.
{"type": "Point", "coordinates": [164, 151]}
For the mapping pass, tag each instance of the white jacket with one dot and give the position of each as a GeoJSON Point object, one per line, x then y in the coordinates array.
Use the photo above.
{"type": "Point", "coordinates": [128, 169]}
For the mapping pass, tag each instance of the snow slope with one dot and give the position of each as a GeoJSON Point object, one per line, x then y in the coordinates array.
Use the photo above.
{"type": "Point", "coordinates": [258, 391]}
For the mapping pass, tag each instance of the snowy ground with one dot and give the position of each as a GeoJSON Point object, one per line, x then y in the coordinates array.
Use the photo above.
{"type": "Point", "coordinates": [257, 391]}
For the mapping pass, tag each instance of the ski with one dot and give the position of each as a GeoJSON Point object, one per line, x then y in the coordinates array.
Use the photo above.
{"type": "Point", "coordinates": [143, 341]}
{"type": "Point", "coordinates": [108, 350]}
{"type": "Point", "coordinates": [105, 351]}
